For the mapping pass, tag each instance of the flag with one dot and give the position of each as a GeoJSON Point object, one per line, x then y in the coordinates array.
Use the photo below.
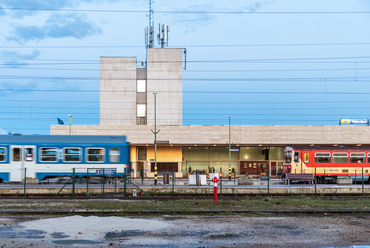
{"type": "Point", "coordinates": [60, 122]}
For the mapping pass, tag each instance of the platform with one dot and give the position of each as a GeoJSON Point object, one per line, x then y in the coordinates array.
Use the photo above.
{"type": "Point", "coordinates": [181, 187]}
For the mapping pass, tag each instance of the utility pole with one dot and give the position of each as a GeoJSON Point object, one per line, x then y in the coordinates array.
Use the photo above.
{"type": "Point", "coordinates": [229, 150]}
{"type": "Point", "coordinates": [155, 138]}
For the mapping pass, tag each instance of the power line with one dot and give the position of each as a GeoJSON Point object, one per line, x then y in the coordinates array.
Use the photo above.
{"type": "Point", "coordinates": [192, 11]}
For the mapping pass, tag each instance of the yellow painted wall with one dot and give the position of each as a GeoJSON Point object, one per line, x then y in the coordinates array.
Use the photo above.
{"type": "Point", "coordinates": [165, 154]}
{"type": "Point", "coordinates": [133, 154]}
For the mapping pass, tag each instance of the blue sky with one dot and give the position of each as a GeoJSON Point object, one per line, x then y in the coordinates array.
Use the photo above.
{"type": "Point", "coordinates": [269, 62]}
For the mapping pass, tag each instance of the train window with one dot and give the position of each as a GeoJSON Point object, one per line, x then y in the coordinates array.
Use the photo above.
{"type": "Point", "coordinates": [95, 155]}
{"type": "Point", "coordinates": [2, 154]}
{"type": "Point", "coordinates": [17, 154]}
{"type": "Point", "coordinates": [72, 154]}
{"type": "Point", "coordinates": [306, 157]}
{"type": "Point", "coordinates": [114, 155]}
{"type": "Point", "coordinates": [29, 154]}
{"type": "Point", "coordinates": [340, 157]}
{"type": "Point", "coordinates": [322, 157]}
{"type": "Point", "coordinates": [48, 154]}
{"type": "Point", "coordinates": [358, 157]}
{"type": "Point", "coordinates": [296, 157]}
{"type": "Point", "coordinates": [288, 157]}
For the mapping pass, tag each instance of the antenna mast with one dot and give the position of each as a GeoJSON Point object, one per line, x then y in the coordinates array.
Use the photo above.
{"type": "Point", "coordinates": [149, 31]}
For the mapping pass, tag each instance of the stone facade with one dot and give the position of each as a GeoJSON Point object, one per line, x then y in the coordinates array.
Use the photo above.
{"type": "Point", "coordinates": [219, 135]}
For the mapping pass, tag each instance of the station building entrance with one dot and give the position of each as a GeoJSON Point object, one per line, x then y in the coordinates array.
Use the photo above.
{"type": "Point", "coordinates": [188, 159]}
{"type": "Point", "coordinates": [244, 160]}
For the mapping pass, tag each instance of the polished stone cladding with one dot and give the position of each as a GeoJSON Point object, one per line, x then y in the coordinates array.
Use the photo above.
{"type": "Point", "coordinates": [219, 135]}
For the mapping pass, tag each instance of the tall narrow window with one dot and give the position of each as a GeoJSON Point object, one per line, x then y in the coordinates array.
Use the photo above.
{"type": "Point", "coordinates": [141, 86]}
{"type": "Point", "coordinates": [17, 154]}
{"type": "Point", "coordinates": [114, 155]}
{"type": "Point", "coordinates": [141, 109]}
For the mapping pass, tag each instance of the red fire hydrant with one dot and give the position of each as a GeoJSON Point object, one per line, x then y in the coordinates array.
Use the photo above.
{"type": "Point", "coordinates": [215, 180]}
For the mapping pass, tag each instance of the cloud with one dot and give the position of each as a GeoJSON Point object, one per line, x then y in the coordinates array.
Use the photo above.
{"type": "Point", "coordinates": [253, 7]}
{"type": "Point", "coordinates": [32, 6]}
{"type": "Point", "coordinates": [13, 58]}
{"type": "Point", "coordinates": [2, 131]}
{"type": "Point", "coordinates": [57, 26]}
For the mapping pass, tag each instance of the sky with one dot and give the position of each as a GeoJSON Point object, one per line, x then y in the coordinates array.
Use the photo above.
{"type": "Point", "coordinates": [261, 62]}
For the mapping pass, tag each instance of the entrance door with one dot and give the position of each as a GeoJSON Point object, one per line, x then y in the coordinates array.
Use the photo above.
{"type": "Point", "coordinates": [22, 156]}
{"type": "Point", "coordinates": [273, 168]}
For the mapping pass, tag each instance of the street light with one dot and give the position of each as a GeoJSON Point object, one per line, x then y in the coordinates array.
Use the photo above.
{"type": "Point", "coordinates": [69, 124]}
{"type": "Point", "coordinates": [229, 150]}
{"type": "Point", "coordinates": [155, 138]}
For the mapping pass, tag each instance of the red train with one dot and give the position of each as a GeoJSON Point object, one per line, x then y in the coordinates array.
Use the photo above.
{"type": "Point", "coordinates": [329, 163]}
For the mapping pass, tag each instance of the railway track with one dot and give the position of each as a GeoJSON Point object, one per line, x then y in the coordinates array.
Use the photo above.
{"type": "Point", "coordinates": [179, 212]}
{"type": "Point", "coordinates": [155, 196]}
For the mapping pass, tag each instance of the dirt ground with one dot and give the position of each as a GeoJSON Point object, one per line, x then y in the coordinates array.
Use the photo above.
{"type": "Point", "coordinates": [185, 231]}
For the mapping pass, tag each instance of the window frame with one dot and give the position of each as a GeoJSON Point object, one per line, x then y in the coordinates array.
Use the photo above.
{"type": "Point", "coordinates": [112, 155]}
{"type": "Point", "coordinates": [316, 157]}
{"type": "Point", "coordinates": [364, 157]}
{"type": "Point", "coordinates": [68, 154]}
{"type": "Point", "coordinates": [336, 153]}
{"type": "Point", "coordinates": [56, 154]}
{"type": "Point", "coordinates": [5, 153]}
{"type": "Point", "coordinates": [95, 148]}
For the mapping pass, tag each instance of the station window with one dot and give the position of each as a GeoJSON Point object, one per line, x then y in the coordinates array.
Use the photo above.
{"type": "Point", "coordinates": [141, 86]}
{"type": "Point", "coordinates": [48, 154]}
{"type": "Point", "coordinates": [340, 157]}
{"type": "Point", "coordinates": [322, 157]}
{"type": "Point", "coordinates": [114, 155]}
{"type": "Point", "coordinates": [141, 110]}
{"type": "Point", "coordinates": [95, 155]}
{"type": "Point", "coordinates": [72, 154]}
{"type": "Point", "coordinates": [2, 154]}
{"type": "Point", "coordinates": [358, 157]}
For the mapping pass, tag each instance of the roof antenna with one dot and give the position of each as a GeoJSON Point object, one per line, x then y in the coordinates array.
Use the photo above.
{"type": "Point", "coordinates": [149, 31]}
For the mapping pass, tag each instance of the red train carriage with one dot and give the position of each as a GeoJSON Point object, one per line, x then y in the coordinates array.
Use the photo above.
{"type": "Point", "coordinates": [329, 163]}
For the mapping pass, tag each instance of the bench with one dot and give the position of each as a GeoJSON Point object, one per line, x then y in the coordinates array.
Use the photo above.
{"type": "Point", "coordinates": [298, 177]}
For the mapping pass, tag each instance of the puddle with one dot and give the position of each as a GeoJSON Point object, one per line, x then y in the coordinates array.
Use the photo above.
{"type": "Point", "coordinates": [59, 235]}
{"type": "Point", "coordinates": [14, 232]}
{"type": "Point", "coordinates": [75, 242]}
{"type": "Point", "coordinates": [124, 234]}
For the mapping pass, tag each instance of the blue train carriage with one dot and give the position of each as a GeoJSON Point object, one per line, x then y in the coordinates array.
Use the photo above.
{"type": "Point", "coordinates": [50, 156]}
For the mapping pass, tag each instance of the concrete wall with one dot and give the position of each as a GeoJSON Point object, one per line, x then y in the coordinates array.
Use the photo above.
{"type": "Point", "coordinates": [117, 91]}
{"type": "Point", "coordinates": [164, 77]}
{"type": "Point", "coordinates": [219, 135]}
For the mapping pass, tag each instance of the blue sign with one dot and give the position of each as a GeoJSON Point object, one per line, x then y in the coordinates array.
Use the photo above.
{"type": "Point", "coordinates": [109, 172]}
{"type": "Point", "coordinates": [233, 150]}
{"type": "Point", "coordinates": [354, 121]}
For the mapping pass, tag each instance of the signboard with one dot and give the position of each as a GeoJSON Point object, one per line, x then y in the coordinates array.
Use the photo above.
{"type": "Point", "coordinates": [161, 142]}
{"type": "Point", "coordinates": [233, 150]}
{"type": "Point", "coordinates": [354, 121]}
{"type": "Point", "coordinates": [109, 172]}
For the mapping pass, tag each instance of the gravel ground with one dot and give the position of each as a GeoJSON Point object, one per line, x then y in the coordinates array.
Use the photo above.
{"type": "Point", "coordinates": [185, 231]}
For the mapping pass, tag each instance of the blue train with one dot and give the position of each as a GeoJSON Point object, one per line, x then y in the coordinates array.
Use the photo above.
{"type": "Point", "coordinates": [48, 156]}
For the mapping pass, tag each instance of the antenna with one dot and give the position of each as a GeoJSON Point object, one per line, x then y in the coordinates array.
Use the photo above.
{"type": "Point", "coordinates": [149, 31]}
{"type": "Point", "coordinates": [163, 35]}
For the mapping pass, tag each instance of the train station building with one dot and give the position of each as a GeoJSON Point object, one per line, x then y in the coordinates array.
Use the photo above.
{"type": "Point", "coordinates": [139, 101]}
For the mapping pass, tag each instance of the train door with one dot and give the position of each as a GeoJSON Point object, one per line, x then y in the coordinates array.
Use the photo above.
{"type": "Point", "coordinates": [21, 157]}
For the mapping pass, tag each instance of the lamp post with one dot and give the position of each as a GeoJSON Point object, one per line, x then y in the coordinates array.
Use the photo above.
{"type": "Point", "coordinates": [229, 150]}
{"type": "Point", "coordinates": [155, 138]}
{"type": "Point", "coordinates": [69, 124]}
